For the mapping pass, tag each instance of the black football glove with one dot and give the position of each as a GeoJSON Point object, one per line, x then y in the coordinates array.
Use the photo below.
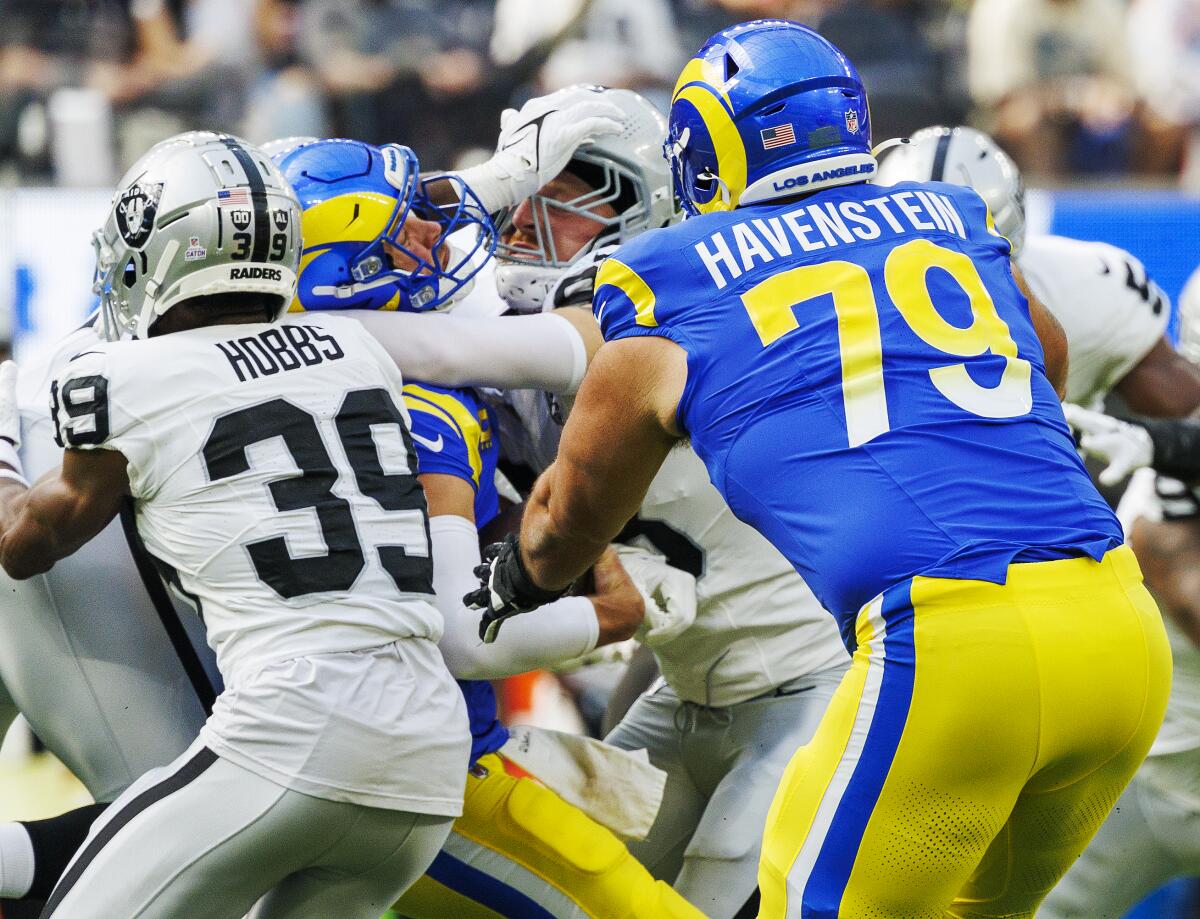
{"type": "Point", "coordinates": [506, 588]}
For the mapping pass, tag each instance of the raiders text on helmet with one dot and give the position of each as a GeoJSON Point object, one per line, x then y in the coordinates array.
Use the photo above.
{"type": "Point", "coordinates": [201, 213]}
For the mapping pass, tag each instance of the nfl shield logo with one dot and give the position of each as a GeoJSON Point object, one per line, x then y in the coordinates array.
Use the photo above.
{"type": "Point", "coordinates": [852, 121]}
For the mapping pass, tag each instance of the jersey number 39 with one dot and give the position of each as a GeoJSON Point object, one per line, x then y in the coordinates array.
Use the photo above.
{"type": "Point", "coordinates": [361, 410]}
{"type": "Point", "coordinates": [771, 302]}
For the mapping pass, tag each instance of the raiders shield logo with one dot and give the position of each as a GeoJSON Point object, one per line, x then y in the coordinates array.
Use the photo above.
{"type": "Point", "coordinates": [281, 219]}
{"type": "Point", "coordinates": [135, 213]}
{"type": "Point", "coordinates": [240, 218]}
{"type": "Point", "coordinates": [852, 121]}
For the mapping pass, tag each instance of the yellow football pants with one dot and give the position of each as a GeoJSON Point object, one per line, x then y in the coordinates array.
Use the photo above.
{"type": "Point", "coordinates": [979, 739]}
{"type": "Point", "coordinates": [519, 851]}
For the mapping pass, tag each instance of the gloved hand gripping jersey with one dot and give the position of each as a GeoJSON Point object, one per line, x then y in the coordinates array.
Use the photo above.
{"type": "Point", "coordinates": [506, 589]}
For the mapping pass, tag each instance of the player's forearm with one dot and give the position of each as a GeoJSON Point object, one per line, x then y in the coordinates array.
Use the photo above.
{"type": "Point", "coordinates": [556, 632]}
{"type": "Point", "coordinates": [1176, 446]}
{"type": "Point", "coordinates": [36, 530]}
{"type": "Point", "coordinates": [517, 352]}
{"type": "Point", "coordinates": [1051, 335]}
{"type": "Point", "coordinates": [560, 538]}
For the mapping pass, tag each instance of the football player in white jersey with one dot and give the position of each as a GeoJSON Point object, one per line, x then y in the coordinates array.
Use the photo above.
{"type": "Point", "coordinates": [747, 682]}
{"type": "Point", "coordinates": [273, 478]}
{"type": "Point", "coordinates": [1113, 312]}
{"type": "Point", "coordinates": [1151, 836]}
{"type": "Point", "coordinates": [1114, 316]}
{"type": "Point", "coordinates": [115, 702]}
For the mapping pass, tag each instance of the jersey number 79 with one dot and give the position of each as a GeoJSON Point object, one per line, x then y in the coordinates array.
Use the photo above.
{"type": "Point", "coordinates": [770, 304]}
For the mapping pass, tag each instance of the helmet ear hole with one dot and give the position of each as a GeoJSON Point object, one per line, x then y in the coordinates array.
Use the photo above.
{"type": "Point", "coordinates": [129, 275]}
{"type": "Point", "coordinates": [731, 67]}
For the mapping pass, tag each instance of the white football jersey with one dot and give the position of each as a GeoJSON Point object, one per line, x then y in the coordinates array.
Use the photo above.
{"type": "Point", "coordinates": [1111, 310]}
{"type": "Point", "coordinates": [114, 676]}
{"type": "Point", "coordinates": [757, 624]}
{"type": "Point", "coordinates": [273, 478]}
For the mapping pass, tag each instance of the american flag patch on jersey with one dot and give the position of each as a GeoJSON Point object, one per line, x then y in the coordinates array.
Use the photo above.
{"type": "Point", "coordinates": [233, 197]}
{"type": "Point", "coordinates": [778, 136]}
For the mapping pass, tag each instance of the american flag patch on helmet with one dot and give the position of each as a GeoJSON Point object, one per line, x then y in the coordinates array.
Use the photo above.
{"type": "Point", "coordinates": [778, 136]}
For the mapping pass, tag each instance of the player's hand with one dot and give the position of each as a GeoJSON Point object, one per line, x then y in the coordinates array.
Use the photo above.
{"type": "Point", "coordinates": [535, 145]}
{"type": "Point", "coordinates": [10, 426]}
{"type": "Point", "coordinates": [10, 418]}
{"type": "Point", "coordinates": [619, 604]}
{"type": "Point", "coordinates": [1125, 447]}
{"type": "Point", "coordinates": [670, 595]}
{"type": "Point", "coordinates": [506, 589]}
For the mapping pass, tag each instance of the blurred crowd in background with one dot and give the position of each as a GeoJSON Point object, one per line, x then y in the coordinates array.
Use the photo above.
{"type": "Point", "coordinates": [1073, 88]}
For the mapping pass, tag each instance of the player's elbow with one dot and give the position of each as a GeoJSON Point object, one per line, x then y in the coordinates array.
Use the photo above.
{"type": "Point", "coordinates": [22, 562]}
{"type": "Point", "coordinates": [469, 660]}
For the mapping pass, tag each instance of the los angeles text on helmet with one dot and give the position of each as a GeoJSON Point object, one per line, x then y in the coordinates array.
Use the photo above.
{"type": "Point", "coordinates": [825, 224]}
{"type": "Point", "coordinates": [823, 176]}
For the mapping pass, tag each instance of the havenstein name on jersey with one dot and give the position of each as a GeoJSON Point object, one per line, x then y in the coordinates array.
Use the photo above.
{"type": "Point", "coordinates": [740, 247]}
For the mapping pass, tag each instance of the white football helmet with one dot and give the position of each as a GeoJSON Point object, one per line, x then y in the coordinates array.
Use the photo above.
{"type": "Point", "coordinates": [1189, 318]}
{"type": "Point", "coordinates": [200, 213]}
{"type": "Point", "coordinates": [962, 156]}
{"type": "Point", "coordinates": [627, 171]}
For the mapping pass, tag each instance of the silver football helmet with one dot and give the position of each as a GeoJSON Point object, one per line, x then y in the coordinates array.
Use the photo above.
{"type": "Point", "coordinates": [200, 213]}
{"type": "Point", "coordinates": [962, 156]}
{"type": "Point", "coordinates": [1189, 318]}
{"type": "Point", "coordinates": [626, 171]}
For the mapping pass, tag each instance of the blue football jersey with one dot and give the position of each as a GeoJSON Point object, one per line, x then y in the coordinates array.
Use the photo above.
{"type": "Point", "coordinates": [452, 433]}
{"type": "Point", "coordinates": [865, 385]}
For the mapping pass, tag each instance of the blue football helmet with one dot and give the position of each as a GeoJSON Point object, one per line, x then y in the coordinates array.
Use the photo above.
{"type": "Point", "coordinates": [764, 110]}
{"type": "Point", "coordinates": [356, 198]}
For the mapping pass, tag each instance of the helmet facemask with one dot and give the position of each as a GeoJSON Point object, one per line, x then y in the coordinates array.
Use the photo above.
{"type": "Point", "coordinates": [610, 182]}
{"type": "Point", "coordinates": [526, 274]}
{"type": "Point", "coordinates": [426, 283]}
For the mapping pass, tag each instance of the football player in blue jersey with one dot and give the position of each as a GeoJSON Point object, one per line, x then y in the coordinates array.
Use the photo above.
{"type": "Point", "coordinates": [872, 387]}
{"type": "Point", "coordinates": [372, 243]}
{"type": "Point", "coordinates": [519, 849]}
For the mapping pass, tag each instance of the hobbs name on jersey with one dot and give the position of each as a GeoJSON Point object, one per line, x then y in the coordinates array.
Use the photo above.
{"type": "Point", "coordinates": [280, 348]}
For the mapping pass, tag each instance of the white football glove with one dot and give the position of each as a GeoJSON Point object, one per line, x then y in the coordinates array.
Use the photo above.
{"type": "Point", "coordinates": [10, 423]}
{"type": "Point", "coordinates": [535, 145]}
{"type": "Point", "coordinates": [1125, 447]}
{"type": "Point", "coordinates": [669, 594]}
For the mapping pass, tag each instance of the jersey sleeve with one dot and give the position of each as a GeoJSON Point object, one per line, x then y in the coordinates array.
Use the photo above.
{"type": "Point", "coordinates": [81, 405]}
{"type": "Point", "coordinates": [1140, 311]}
{"type": "Point", "coordinates": [634, 290]}
{"type": "Point", "coordinates": [446, 431]}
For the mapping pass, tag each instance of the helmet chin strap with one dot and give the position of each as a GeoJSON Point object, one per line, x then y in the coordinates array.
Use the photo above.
{"type": "Point", "coordinates": [457, 257]}
{"type": "Point", "coordinates": [709, 176]}
{"type": "Point", "coordinates": [154, 287]}
{"type": "Point", "coordinates": [888, 144]}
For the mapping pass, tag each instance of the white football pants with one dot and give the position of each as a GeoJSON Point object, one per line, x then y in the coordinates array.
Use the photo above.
{"type": "Point", "coordinates": [723, 766]}
{"type": "Point", "coordinates": [205, 837]}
